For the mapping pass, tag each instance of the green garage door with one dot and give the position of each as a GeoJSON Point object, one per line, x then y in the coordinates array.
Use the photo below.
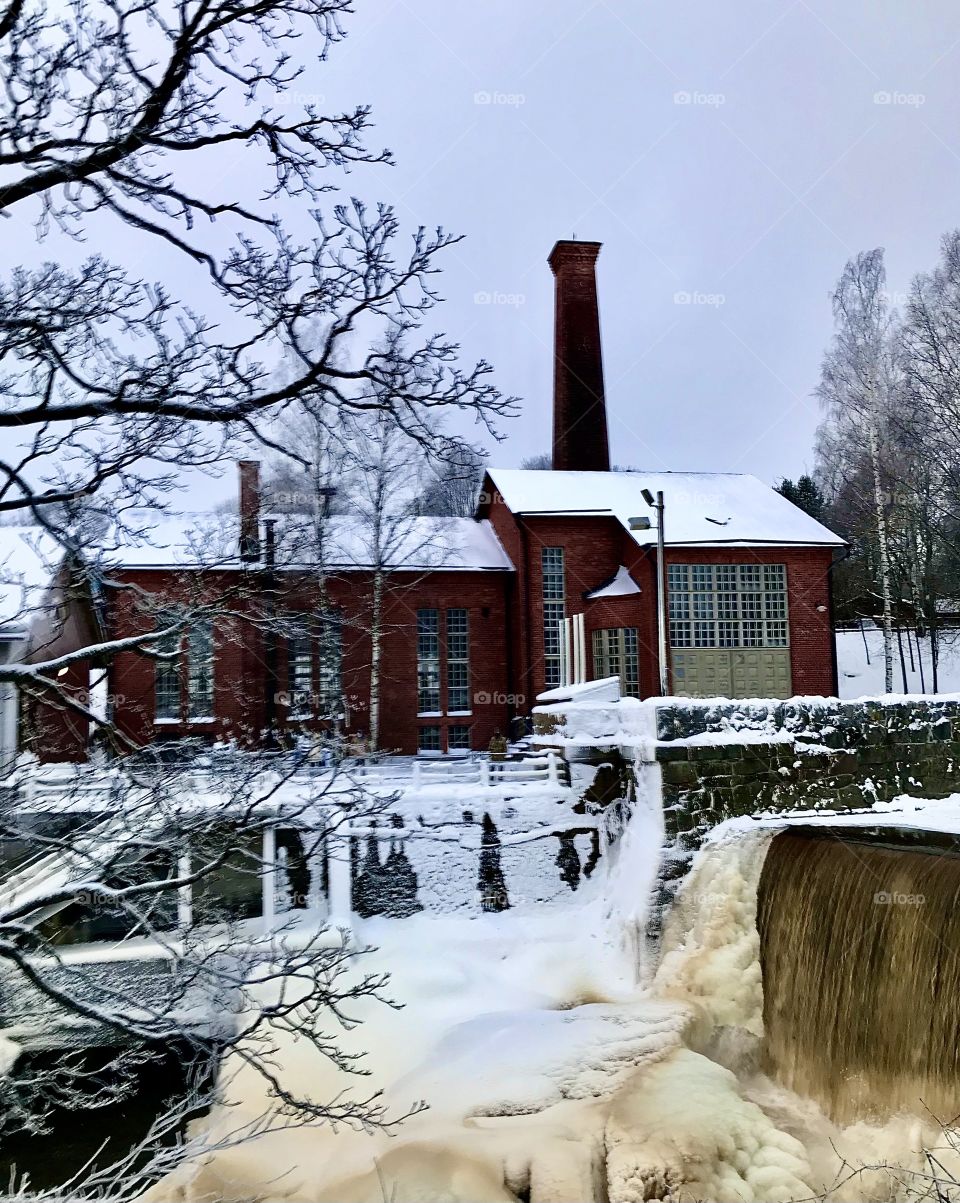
{"type": "Point", "coordinates": [729, 630]}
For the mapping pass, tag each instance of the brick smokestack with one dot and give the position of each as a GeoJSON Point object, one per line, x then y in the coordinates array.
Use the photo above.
{"type": "Point", "coordinates": [579, 409]}
{"type": "Point", "coordinates": [249, 470]}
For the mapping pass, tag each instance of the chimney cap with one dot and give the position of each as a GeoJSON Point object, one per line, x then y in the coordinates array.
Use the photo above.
{"type": "Point", "coordinates": [573, 252]}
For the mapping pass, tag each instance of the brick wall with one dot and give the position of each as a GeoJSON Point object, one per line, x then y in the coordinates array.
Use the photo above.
{"type": "Point", "coordinates": [594, 548]}
{"type": "Point", "coordinates": [240, 674]}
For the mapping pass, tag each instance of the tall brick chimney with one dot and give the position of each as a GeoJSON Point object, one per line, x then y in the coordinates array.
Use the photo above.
{"type": "Point", "coordinates": [579, 410]}
{"type": "Point", "coordinates": [249, 471]}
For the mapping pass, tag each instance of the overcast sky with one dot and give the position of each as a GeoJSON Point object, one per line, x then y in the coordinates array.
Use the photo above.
{"type": "Point", "coordinates": [729, 156]}
{"type": "Point", "coordinates": [733, 155]}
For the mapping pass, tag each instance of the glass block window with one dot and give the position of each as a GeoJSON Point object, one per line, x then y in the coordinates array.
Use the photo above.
{"type": "Point", "coordinates": [551, 559]}
{"type": "Point", "coordinates": [428, 739]}
{"type": "Point", "coordinates": [554, 611]}
{"type": "Point", "coordinates": [458, 662]}
{"type": "Point", "coordinates": [616, 654]}
{"type": "Point", "coordinates": [458, 738]}
{"type": "Point", "coordinates": [728, 605]}
{"type": "Point", "coordinates": [300, 675]}
{"type": "Point", "coordinates": [167, 680]}
{"type": "Point", "coordinates": [200, 670]}
{"type": "Point", "coordinates": [428, 663]}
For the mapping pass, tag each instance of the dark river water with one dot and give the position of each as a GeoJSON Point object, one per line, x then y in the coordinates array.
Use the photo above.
{"type": "Point", "coordinates": [99, 1135]}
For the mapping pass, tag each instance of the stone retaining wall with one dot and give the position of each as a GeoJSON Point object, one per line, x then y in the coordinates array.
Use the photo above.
{"type": "Point", "coordinates": [724, 760]}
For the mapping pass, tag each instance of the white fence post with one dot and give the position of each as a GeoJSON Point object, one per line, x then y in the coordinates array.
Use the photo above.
{"type": "Point", "coordinates": [184, 893]}
{"type": "Point", "coordinates": [416, 772]}
{"type": "Point", "coordinates": [553, 775]}
{"type": "Point", "coordinates": [485, 772]}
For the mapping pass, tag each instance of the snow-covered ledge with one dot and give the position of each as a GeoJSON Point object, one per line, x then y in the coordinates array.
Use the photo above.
{"type": "Point", "coordinates": [576, 718]}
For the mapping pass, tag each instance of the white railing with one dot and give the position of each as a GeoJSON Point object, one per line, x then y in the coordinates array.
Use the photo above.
{"type": "Point", "coordinates": [488, 773]}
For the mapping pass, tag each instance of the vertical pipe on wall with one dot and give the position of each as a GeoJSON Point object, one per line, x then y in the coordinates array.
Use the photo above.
{"type": "Point", "coordinates": [269, 876]}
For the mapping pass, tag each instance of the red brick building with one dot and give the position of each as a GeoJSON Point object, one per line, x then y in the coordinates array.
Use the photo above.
{"type": "Point", "coordinates": [554, 580]}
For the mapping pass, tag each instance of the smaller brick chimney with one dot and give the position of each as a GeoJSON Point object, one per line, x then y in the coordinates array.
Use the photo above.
{"type": "Point", "coordinates": [579, 408]}
{"type": "Point", "coordinates": [249, 472]}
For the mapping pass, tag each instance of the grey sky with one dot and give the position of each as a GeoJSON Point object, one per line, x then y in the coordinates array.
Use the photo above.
{"type": "Point", "coordinates": [780, 166]}
{"type": "Point", "coordinates": [732, 155]}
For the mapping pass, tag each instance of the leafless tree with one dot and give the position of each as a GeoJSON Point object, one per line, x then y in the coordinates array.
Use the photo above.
{"type": "Point", "coordinates": [117, 115]}
{"type": "Point", "coordinates": [196, 902]}
{"type": "Point", "coordinates": [857, 380]}
{"type": "Point", "coordinates": [452, 485]}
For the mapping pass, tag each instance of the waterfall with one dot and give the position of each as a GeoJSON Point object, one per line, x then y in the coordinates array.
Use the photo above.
{"type": "Point", "coordinates": [860, 959]}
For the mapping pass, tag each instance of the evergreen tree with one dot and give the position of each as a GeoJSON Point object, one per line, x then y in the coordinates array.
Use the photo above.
{"type": "Point", "coordinates": [568, 860]}
{"type": "Point", "coordinates": [806, 494]}
{"type": "Point", "coordinates": [491, 883]}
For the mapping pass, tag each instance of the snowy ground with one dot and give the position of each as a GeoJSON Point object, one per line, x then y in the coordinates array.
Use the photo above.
{"type": "Point", "coordinates": [859, 678]}
{"type": "Point", "coordinates": [558, 1068]}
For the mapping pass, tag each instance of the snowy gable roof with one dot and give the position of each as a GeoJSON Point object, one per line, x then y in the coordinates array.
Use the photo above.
{"type": "Point", "coordinates": [413, 544]}
{"type": "Point", "coordinates": [29, 557]}
{"type": "Point", "coordinates": [707, 508]}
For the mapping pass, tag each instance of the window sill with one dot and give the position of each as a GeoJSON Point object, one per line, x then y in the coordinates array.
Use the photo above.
{"type": "Point", "coordinates": [168, 722]}
{"type": "Point", "coordinates": [429, 714]}
{"type": "Point", "coordinates": [460, 714]}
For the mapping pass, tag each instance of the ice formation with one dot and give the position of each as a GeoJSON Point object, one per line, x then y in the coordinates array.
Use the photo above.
{"type": "Point", "coordinates": [556, 1071]}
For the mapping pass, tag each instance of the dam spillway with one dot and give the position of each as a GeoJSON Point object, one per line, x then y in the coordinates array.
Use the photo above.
{"type": "Point", "coordinates": [860, 957]}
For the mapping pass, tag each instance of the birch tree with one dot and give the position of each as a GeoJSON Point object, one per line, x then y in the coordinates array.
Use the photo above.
{"type": "Point", "coordinates": [856, 382]}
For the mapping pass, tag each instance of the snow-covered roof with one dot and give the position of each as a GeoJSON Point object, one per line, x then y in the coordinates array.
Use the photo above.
{"type": "Point", "coordinates": [622, 585]}
{"type": "Point", "coordinates": [29, 557]}
{"type": "Point", "coordinates": [706, 508]}
{"type": "Point", "coordinates": [408, 543]}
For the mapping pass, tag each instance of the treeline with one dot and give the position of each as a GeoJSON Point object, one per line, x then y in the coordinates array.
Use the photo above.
{"type": "Point", "coordinates": [887, 475]}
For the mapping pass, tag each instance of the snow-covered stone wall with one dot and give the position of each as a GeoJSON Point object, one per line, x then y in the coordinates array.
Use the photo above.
{"type": "Point", "coordinates": [722, 759]}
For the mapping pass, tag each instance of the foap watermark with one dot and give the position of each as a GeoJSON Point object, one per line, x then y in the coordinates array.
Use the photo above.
{"type": "Point", "coordinates": [907, 100]}
{"type": "Point", "coordinates": [695, 498]}
{"type": "Point", "coordinates": [895, 898]}
{"type": "Point", "coordinates": [486, 497]}
{"type": "Point", "coordinates": [305, 100]}
{"type": "Point", "coordinates": [509, 100]}
{"type": "Point", "coordinates": [511, 299]}
{"type": "Point", "coordinates": [712, 299]}
{"type": "Point", "coordinates": [498, 698]}
{"type": "Point", "coordinates": [704, 100]}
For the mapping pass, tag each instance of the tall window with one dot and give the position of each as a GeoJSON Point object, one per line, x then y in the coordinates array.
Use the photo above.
{"type": "Point", "coordinates": [315, 686]}
{"type": "Point", "coordinates": [458, 662]}
{"type": "Point", "coordinates": [300, 674]}
{"type": "Point", "coordinates": [200, 670]}
{"type": "Point", "coordinates": [616, 654]}
{"type": "Point", "coordinates": [428, 661]}
{"type": "Point", "coordinates": [331, 665]}
{"type": "Point", "coordinates": [191, 663]}
{"type": "Point", "coordinates": [728, 605]}
{"type": "Point", "coordinates": [167, 681]}
{"type": "Point", "coordinates": [554, 611]}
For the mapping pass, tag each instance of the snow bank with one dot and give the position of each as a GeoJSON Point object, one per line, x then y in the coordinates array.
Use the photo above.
{"type": "Point", "coordinates": [860, 666]}
{"type": "Point", "coordinates": [551, 1074]}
